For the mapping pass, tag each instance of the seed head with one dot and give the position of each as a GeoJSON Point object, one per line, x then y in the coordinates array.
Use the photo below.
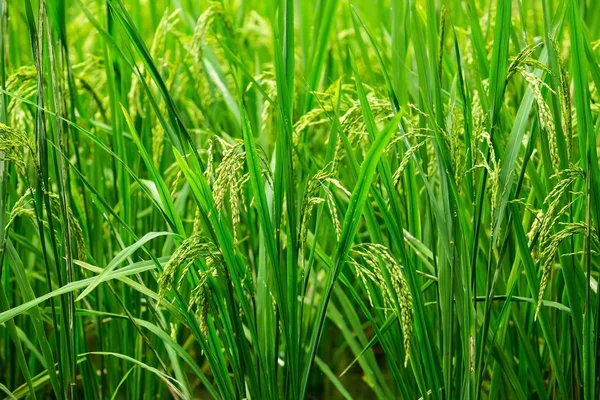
{"type": "Point", "coordinates": [311, 198]}
{"type": "Point", "coordinates": [191, 249]}
{"type": "Point", "coordinates": [14, 144]}
{"type": "Point", "coordinates": [377, 257]}
{"type": "Point", "coordinates": [548, 255]}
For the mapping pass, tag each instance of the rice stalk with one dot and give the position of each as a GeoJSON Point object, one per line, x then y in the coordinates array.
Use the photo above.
{"type": "Point", "coordinates": [16, 146]}
{"type": "Point", "coordinates": [548, 255]}
{"type": "Point", "coordinates": [377, 256]}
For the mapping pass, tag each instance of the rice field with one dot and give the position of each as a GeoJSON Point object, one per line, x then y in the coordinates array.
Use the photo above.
{"type": "Point", "coordinates": [299, 199]}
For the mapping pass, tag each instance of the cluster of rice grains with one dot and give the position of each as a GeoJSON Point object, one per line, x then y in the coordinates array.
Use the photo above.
{"type": "Point", "coordinates": [381, 269]}
{"type": "Point", "coordinates": [319, 182]}
{"type": "Point", "coordinates": [16, 146]}
{"type": "Point", "coordinates": [195, 250]}
{"type": "Point", "coordinates": [19, 148]}
{"type": "Point", "coordinates": [230, 177]}
{"type": "Point", "coordinates": [545, 222]}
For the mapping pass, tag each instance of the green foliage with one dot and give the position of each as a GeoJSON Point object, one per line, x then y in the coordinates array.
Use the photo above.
{"type": "Point", "coordinates": [299, 199]}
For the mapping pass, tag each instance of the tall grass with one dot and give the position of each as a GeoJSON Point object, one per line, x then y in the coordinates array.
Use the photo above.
{"type": "Point", "coordinates": [299, 199]}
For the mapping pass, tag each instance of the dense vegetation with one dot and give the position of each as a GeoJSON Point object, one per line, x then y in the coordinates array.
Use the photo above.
{"type": "Point", "coordinates": [249, 199]}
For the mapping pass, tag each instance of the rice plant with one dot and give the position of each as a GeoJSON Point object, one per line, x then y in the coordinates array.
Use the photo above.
{"type": "Point", "coordinates": [279, 199]}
